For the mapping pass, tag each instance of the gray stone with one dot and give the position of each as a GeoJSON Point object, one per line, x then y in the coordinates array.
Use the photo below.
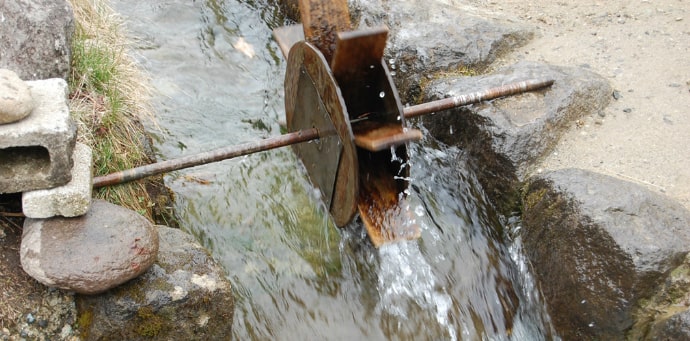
{"type": "Point", "coordinates": [184, 296]}
{"type": "Point", "coordinates": [666, 315]}
{"type": "Point", "coordinates": [674, 328]}
{"type": "Point", "coordinates": [70, 200]}
{"type": "Point", "coordinates": [506, 136]}
{"type": "Point", "coordinates": [16, 101]}
{"type": "Point", "coordinates": [524, 127]}
{"type": "Point", "coordinates": [436, 36]}
{"type": "Point", "coordinates": [90, 254]}
{"type": "Point", "coordinates": [599, 245]}
{"type": "Point", "coordinates": [36, 152]}
{"type": "Point", "coordinates": [36, 38]}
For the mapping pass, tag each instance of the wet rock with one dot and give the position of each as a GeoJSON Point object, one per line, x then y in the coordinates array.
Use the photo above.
{"type": "Point", "coordinates": [599, 245]}
{"type": "Point", "coordinates": [37, 38]}
{"type": "Point", "coordinates": [666, 315]}
{"type": "Point", "coordinates": [676, 327]}
{"type": "Point", "coordinates": [436, 36]}
{"type": "Point", "coordinates": [16, 101]}
{"type": "Point", "coordinates": [90, 254]}
{"type": "Point", "coordinates": [506, 136]}
{"type": "Point", "coordinates": [183, 296]}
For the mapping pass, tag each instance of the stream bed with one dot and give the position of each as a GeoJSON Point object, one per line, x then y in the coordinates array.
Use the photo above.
{"type": "Point", "coordinates": [218, 75]}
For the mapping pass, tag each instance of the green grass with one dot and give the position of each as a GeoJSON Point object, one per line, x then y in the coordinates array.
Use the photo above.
{"type": "Point", "coordinates": [109, 98]}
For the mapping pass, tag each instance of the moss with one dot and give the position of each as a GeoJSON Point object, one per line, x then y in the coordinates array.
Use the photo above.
{"type": "Point", "coordinates": [149, 324]}
{"type": "Point", "coordinates": [84, 322]}
{"type": "Point", "coordinates": [533, 198]}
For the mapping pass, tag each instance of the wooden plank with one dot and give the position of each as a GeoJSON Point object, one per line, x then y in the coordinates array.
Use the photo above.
{"type": "Point", "coordinates": [377, 136]}
{"type": "Point", "coordinates": [322, 20]}
{"type": "Point", "coordinates": [286, 36]}
{"type": "Point", "coordinates": [357, 51]}
{"type": "Point", "coordinates": [386, 217]}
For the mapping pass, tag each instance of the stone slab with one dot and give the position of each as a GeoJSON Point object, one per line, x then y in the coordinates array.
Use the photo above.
{"type": "Point", "coordinates": [70, 200]}
{"type": "Point", "coordinates": [36, 152]}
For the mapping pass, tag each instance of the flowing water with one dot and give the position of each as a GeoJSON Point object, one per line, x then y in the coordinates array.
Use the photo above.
{"type": "Point", "coordinates": [218, 75]}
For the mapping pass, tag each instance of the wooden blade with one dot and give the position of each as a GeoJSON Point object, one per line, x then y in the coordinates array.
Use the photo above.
{"type": "Point", "coordinates": [322, 20]}
{"type": "Point", "coordinates": [286, 36]}
{"type": "Point", "coordinates": [382, 206]}
{"type": "Point", "coordinates": [376, 136]}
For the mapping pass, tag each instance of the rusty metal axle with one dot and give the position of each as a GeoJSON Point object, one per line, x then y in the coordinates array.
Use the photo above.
{"type": "Point", "coordinates": [305, 135]}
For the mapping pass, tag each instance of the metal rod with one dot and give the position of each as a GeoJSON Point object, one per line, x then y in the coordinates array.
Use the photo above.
{"type": "Point", "coordinates": [306, 135]}
{"type": "Point", "coordinates": [475, 97]}
{"type": "Point", "coordinates": [206, 157]}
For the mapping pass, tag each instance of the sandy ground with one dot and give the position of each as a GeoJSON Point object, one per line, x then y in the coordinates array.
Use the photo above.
{"type": "Point", "coordinates": [643, 48]}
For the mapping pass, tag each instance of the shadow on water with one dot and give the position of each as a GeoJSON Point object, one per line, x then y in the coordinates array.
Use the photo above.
{"type": "Point", "coordinates": [219, 78]}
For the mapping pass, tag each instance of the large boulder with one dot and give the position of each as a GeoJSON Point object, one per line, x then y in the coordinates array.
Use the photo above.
{"type": "Point", "coordinates": [89, 254]}
{"type": "Point", "coordinates": [523, 127]}
{"type": "Point", "coordinates": [506, 136]}
{"type": "Point", "coordinates": [599, 245]}
{"type": "Point", "coordinates": [184, 296]}
{"type": "Point", "coordinates": [36, 38]}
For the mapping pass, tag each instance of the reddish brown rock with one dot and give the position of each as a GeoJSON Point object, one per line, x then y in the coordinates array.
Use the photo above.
{"type": "Point", "coordinates": [89, 254]}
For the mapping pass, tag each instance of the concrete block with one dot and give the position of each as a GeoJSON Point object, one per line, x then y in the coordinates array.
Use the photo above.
{"type": "Point", "coordinates": [36, 152]}
{"type": "Point", "coordinates": [70, 200]}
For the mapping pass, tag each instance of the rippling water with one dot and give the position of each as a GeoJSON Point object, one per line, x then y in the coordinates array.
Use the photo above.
{"type": "Point", "coordinates": [219, 78]}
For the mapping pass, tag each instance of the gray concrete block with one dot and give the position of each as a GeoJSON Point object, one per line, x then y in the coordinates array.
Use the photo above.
{"type": "Point", "coordinates": [36, 152]}
{"type": "Point", "coordinates": [70, 200]}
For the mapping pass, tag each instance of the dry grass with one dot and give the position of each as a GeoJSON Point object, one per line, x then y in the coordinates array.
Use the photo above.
{"type": "Point", "coordinates": [109, 97]}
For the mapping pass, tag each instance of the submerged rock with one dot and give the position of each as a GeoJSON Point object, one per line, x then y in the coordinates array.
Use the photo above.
{"type": "Point", "coordinates": [89, 254]}
{"type": "Point", "coordinates": [599, 245]}
{"type": "Point", "coordinates": [183, 296]}
{"type": "Point", "coordinates": [16, 101]}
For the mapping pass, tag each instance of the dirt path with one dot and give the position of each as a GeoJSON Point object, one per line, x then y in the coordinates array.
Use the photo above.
{"type": "Point", "coordinates": [643, 48]}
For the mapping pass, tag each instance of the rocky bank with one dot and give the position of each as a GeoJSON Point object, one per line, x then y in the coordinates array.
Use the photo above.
{"type": "Point", "coordinates": [609, 249]}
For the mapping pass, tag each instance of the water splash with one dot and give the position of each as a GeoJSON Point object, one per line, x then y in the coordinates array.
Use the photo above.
{"type": "Point", "coordinates": [405, 278]}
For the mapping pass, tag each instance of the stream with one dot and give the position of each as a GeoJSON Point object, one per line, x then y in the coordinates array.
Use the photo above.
{"type": "Point", "coordinates": [218, 75]}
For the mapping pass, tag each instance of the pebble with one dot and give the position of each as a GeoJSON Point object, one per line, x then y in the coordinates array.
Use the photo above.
{"type": "Point", "coordinates": [628, 110]}
{"type": "Point", "coordinates": [617, 94]}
